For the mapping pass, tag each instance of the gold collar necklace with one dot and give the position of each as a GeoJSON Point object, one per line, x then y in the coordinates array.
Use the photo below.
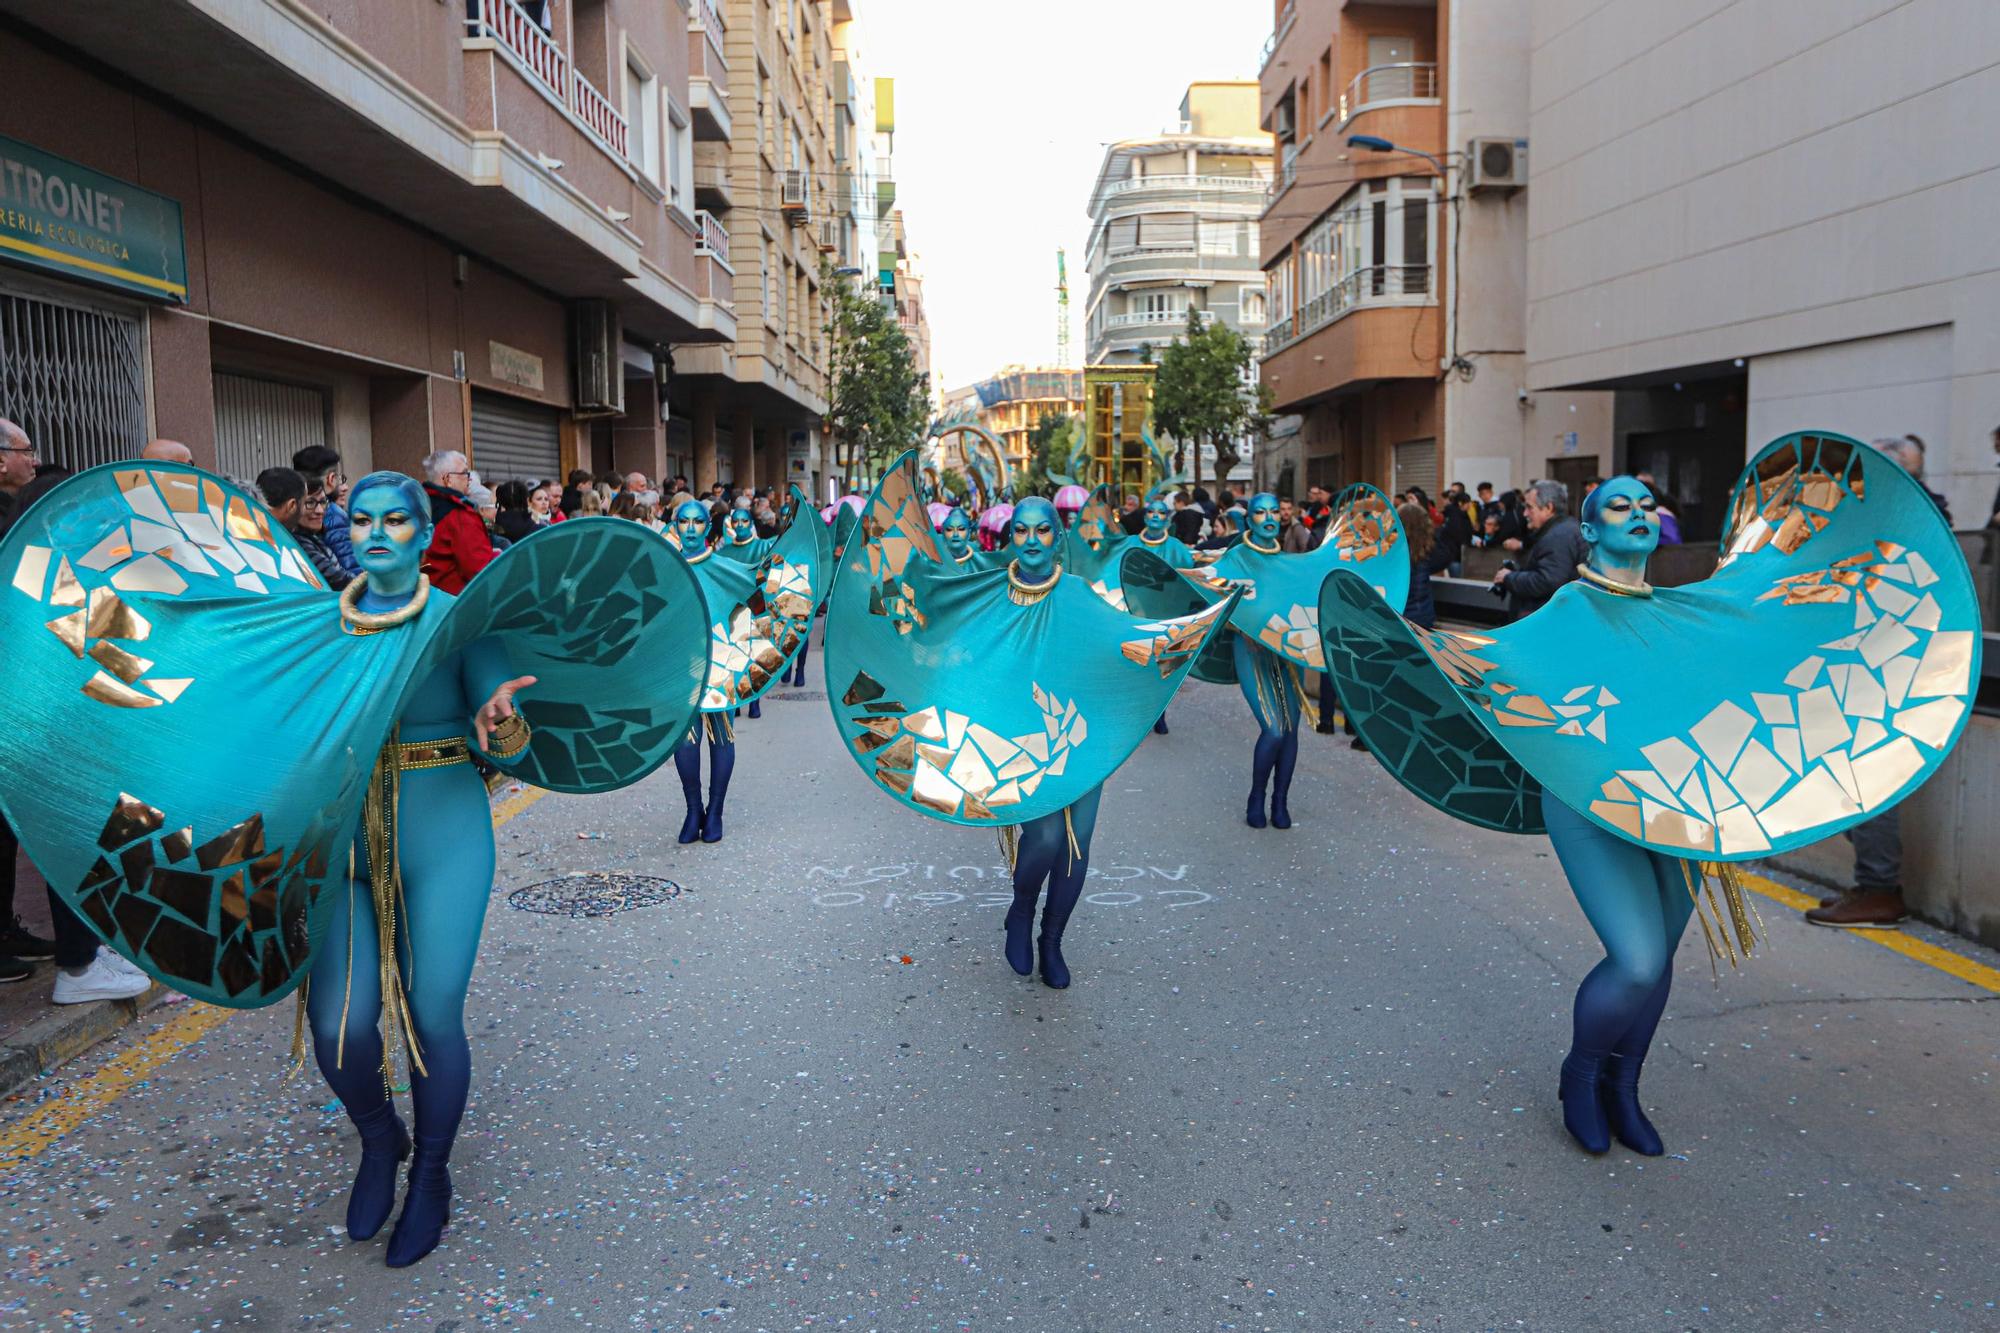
{"type": "Point", "coordinates": [1251, 542]}
{"type": "Point", "coordinates": [356, 621]}
{"type": "Point", "coordinates": [1160, 540]}
{"type": "Point", "coordinates": [1027, 594]}
{"type": "Point", "coordinates": [1613, 586]}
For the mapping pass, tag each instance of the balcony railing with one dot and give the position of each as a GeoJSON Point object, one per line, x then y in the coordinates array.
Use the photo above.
{"type": "Point", "coordinates": [541, 59]}
{"type": "Point", "coordinates": [1133, 319]}
{"type": "Point", "coordinates": [1118, 252]}
{"type": "Point", "coordinates": [711, 238]}
{"type": "Point", "coordinates": [1387, 85]}
{"type": "Point", "coordinates": [596, 111]}
{"type": "Point", "coordinates": [709, 16]}
{"type": "Point", "coordinates": [1378, 284]}
{"type": "Point", "coordinates": [1240, 184]}
{"type": "Point", "coordinates": [1278, 34]}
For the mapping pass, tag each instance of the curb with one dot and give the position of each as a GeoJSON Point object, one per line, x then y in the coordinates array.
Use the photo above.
{"type": "Point", "coordinates": [56, 1038]}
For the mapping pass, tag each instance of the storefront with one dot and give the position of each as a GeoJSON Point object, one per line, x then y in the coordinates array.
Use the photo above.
{"type": "Point", "coordinates": [515, 440]}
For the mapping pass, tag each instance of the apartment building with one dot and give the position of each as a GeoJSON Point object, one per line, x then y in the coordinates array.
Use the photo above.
{"type": "Point", "coordinates": [902, 280]}
{"type": "Point", "coordinates": [1397, 267]}
{"type": "Point", "coordinates": [1809, 244]}
{"type": "Point", "coordinates": [253, 225]}
{"type": "Point", "coordinates": [1011, 402]}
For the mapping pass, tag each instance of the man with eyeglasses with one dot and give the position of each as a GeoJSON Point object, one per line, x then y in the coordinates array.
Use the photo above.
{"type": "Point", "coordinates": [460, 546]}
{"type": "Point", "coordinates": [319, 465]}
{"type": "Point", "coordinates": [303, 509]}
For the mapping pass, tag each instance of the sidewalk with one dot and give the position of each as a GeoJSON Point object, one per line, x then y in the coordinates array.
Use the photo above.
{"type": "Point", "coordinates": [37, 1036]}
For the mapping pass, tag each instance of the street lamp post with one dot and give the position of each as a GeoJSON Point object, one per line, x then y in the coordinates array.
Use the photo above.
{"type": "Point", "coordinates": [1376, 144]}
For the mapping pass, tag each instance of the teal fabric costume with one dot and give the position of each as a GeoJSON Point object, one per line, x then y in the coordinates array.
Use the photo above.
{"type": "Point", "coordinates": [1818, 677]}
{"type": "Point", "coordinates": [204, 817]}
{"type": "Point", "coordinates": [760, 617]}
{"type": "Point", "coordinates": [991, 699]}
{"type": "Point", "coordinates": [959, 546]}
{"type": "Point", "coordinates": [1276, 622]}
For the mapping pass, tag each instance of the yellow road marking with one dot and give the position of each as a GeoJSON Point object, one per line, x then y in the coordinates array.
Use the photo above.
{"type": "Point", "coordinates": [1944, 960]}
{"type": "Point", "coordinates": [46, 1125]}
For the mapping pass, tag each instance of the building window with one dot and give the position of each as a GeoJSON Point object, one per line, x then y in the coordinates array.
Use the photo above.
{"type": "Point", "coordinates": [680, 159]}
{"type": "Point", "coordinates": [642, 118]}
{"type": "Point", "coordinates": [1374, 245]}
{"type": "Point", "coordinates": [1160, 305]}
{"type": "Point", "coordinates": [1224, 237]}
{"type": "Point", "coordinates": [1251, 308]}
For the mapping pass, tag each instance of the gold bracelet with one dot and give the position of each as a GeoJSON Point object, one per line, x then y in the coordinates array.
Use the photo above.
{"type": "Point", "coordinates": [508, 737]}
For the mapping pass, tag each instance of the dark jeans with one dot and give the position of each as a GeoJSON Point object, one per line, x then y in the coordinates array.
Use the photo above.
{"type": "Point", "coordinates": [1878, 851]}
{"type": "Point", "coordinates": [75, 944]}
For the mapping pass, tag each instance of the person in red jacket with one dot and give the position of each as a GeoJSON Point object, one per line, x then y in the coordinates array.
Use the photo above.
{"type": "Point", "coordinates": [460, 547]}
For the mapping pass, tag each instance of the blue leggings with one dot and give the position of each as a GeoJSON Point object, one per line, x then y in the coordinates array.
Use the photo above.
{"type": "Point", "coordinates": [1045, 856]}
{"type": "Point", "coordinates": [1273, 695]}
{"type": "Point", "coordinates": [1638, 903]}
{"type": "Point", "coordinates": [445, 850]}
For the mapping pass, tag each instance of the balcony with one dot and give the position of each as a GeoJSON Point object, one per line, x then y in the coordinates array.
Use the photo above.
{"type": "Point", "coordinates": [714, 278]}
{"type": "Point", "coordinates": [1249, 186]}
{"type": "Point", "coordinates": [712, 189]}
{"type": "Point", "coordinates": [1380, 284]}
{"type": "Point", "coordinates": [1285, 21]}
{"type": "Point", "coordinates": [708, 73]}
{"type": "Point", "coordinates": [1406, 83]}
{"type": "Point", "coordinates": [530, 50]}
{"type": "Point", "coordinates": [1137, 319]}
{"type": "Point", "coordinates": [711, 238]}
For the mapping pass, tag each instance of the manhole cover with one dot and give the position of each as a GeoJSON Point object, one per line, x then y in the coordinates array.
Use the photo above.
{"type": "Point", "coordinates": [599, 893]}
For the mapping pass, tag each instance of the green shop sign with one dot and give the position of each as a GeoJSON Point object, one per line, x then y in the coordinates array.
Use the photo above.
{"type": "Point", "coordinates": [67, 219]}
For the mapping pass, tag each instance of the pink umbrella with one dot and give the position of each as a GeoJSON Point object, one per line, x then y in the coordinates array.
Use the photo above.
{"type": "Point", "coordinates": [826, 513]}
{"type": "Point", "coordinates": [937, 509]}
{"type": "Point", "coordinates": [855, 502]}
{"type": "Point", "coordinates": [994, 519]}
{"type": "Point", "coordinates": [1072, 498]}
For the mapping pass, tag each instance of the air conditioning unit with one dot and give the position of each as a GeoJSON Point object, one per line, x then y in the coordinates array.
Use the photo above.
{"type": "Point", "coordinates": [1283, 123]}
{"type": "Point", "coordinates": [1496, 164]}
{"type": "Point", "coordinates": [599, 366]}
{"type": "Point", "coordinates": [795, 197]}
{"type": "Point", "coordinates": [829, 235]}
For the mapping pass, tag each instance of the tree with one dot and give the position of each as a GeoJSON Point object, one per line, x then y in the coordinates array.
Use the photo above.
{"type": "Point", "coordinates": [877, 403]}
{"type": "Point", "coordinates": [1049, 447]}
{"type": "Point", "coordinates": [1202, 393]}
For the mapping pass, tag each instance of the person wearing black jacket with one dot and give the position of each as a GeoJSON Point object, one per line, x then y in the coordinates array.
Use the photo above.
{"type": "Point", "coordinates": [1550, 558]}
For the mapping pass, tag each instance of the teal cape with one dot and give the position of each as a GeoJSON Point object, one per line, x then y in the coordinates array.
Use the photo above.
{"type": "Point", "coordinates": [1814, 680]}
{"type": "Point", "coordinates": [1279, 610]}
{"type": "Point", "coordinates": [760, 614]}
{"type": "Point", "coordinates": [755, 550]}
{"type": "Point", "coordinates": [195, 732]}
{"type": "Point", "coordinates": [976, 702]}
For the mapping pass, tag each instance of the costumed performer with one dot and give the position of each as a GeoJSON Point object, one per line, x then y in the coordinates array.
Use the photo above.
{"type": "Point", "coordinates": [195, 837]}
{"type": "Point", "coordinates": [749, 650]}
{"type": "Point", "coordinates": [1836, 650]}
{"type": "Point", "coordinates": [999, 699]}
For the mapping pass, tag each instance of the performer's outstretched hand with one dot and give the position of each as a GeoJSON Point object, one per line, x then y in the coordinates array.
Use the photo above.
{"type": "Point", "coordinates": [498, 708]}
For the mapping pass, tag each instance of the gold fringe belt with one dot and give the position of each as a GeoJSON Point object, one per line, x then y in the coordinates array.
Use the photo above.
{"type": "Point", "coordinates": [1740, 910]}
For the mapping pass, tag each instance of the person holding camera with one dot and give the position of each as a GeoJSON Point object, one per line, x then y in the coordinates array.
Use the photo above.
{"type": "Point", "coordinates": [1554, 549]}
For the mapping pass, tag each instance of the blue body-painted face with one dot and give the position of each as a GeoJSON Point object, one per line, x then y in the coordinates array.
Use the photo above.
{"type": "Point", "coordinates": [390, 534]}
{"type": "Point", "coordinates": [742, 527]}
{"type": "Point", "coordinates": [1157, 514]}
{"type": "Point", "coordinates": [691, 526]}
{"type": "Point", "coordinates": [957, 533]}
{"type": "Point", "coordinates": [1264, 518]}
{"type": "Point", "coordinates": [1620, 521]}
{"type": "Point", "coordinates": [1032, 534]}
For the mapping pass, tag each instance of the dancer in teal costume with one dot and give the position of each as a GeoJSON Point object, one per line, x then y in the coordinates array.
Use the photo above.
{"type": "Point", "coordinates": [1002, 698]}
{"type": "Point", "coordinates": [961, 546]}
{"type": "Point", "coordinates": [207, 842]}
{"type": "Point", "coordinates": [749, 649]}
{"type": "Point", "coordinates": [740, 541]}
{"type": "Point", "coordinates": [1813, 681]}
{"type": "Point", "coordinates": [1276, 623]}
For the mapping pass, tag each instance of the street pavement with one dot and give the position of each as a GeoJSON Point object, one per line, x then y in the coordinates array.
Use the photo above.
{"type": "Point", "coordinates": [1305, 1080]}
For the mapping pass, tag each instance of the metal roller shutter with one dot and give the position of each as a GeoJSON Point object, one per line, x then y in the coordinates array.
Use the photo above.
{"type": "Point", "coordinates": [262, 423]}
{"type": "Point", "coordinates": [514, 440]}
{"type": "Point", "coordinates": [1417, 465]}
{"type": "Point", "coordinates": [73, 377]}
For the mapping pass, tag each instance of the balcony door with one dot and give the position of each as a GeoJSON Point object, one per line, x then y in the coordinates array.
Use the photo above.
{"type": "Point", "coordinates": [1384, 84]}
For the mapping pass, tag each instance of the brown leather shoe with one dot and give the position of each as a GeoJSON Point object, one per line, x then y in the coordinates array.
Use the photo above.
{"type": "Point", "coordinates": [1863, 909]}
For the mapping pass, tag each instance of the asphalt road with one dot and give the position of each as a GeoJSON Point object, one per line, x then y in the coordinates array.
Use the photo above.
{"type": "Point", "coordinates": [1304, 1081]}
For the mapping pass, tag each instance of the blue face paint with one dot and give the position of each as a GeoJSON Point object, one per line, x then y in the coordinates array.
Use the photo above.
{"type": "Point", "coordinates": [1157, 514]}
{"type": "Point", "coordinates": [1032, 536]}
{"type": "Point", "coordinates": [1620, 520]}
{"type": "Point", "coordinates": [391, 532]}
{"type": "Point", "coordinates": [957, 532]}
{"type": "Point", "coordinates": [691, 526]}
{"type": "Point", "coordinates": [742, 527]}
{"type": "Point", "coordinates": [1264, 518]}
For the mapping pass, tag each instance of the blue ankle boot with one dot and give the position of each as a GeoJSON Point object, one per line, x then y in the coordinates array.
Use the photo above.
{"type": "Point", "coordinates": [384, 1145]}
{"type": "Point", "coordinates": [1583, 1112]}
{"type": "Point", "coordinates": [1621, 1107]}
{"type": "Point", "coordinates": [426, 1207]}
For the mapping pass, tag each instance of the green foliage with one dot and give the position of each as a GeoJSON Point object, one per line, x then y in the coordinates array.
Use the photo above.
{"type": "Point", "coordinates": [1199, 396]}
{"type": "Point", "coordinates": [1049, 446]}
{"type": "Point", "coordinates": [955, 486]}
{"type": "Point", "coordinates": [877, 403]}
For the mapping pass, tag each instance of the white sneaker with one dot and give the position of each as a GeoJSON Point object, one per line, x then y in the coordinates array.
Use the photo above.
{"type": "Point", "coordinates": [99, 981]}
{"type": "Point", "coordinates": [118, 962]}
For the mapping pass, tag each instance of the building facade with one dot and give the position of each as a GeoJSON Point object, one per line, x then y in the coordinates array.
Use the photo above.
{"type": "Point", "coordinates": [1396, 351]}
{"type": "Point", "coordinates": [1790, 257]}
{"type": "Point", "coordinates": [391, 228]}
{"type": "Point", "coordinates": [1013, 401]}
{"type": "Point", "coordinates": [1173, 232]}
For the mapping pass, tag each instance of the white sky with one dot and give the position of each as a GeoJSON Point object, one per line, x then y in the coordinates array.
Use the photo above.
{"type": "Point", "coordinates": [1003, 112]}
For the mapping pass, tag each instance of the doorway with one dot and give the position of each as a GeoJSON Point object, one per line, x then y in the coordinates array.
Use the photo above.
{"type": "Point", "coordinates": [1574, 471]}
